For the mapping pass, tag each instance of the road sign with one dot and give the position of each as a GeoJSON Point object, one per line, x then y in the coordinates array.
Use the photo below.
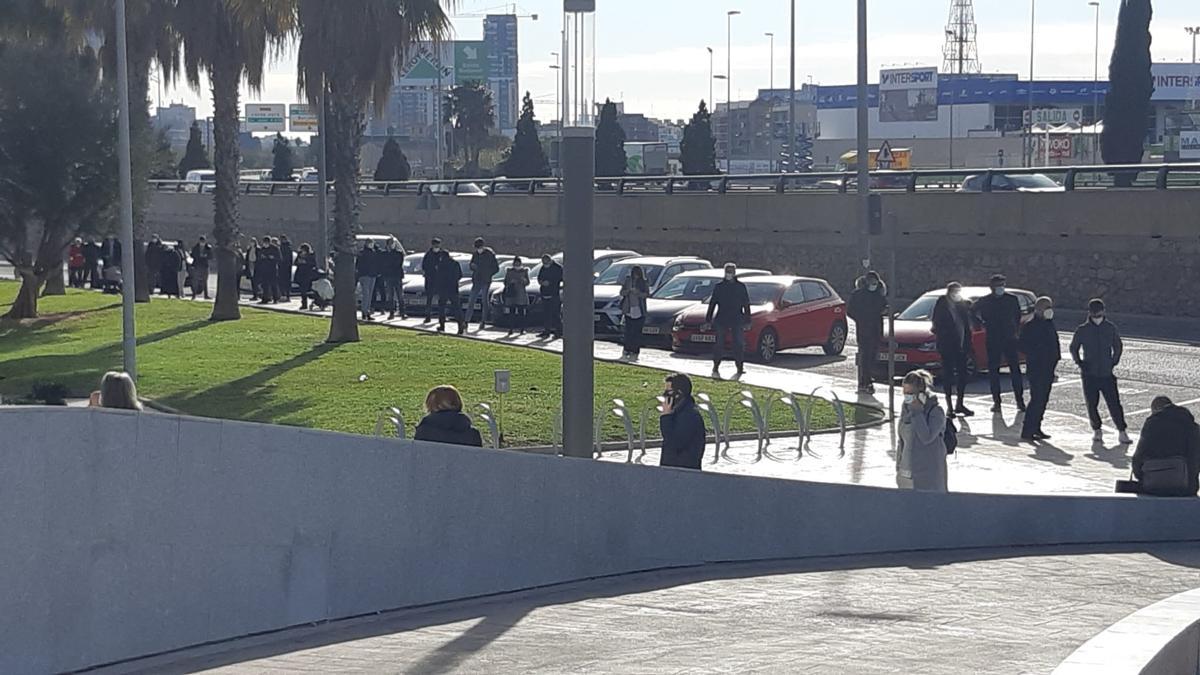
{"type": "Point", "coordinates": [886, 157]}
{"type": "Point", "coordinates": [302, 118]}
{"type": "Point", "coordinates": [265, 117]}
{"type": "Point", "coordinates": [470, 62]}
{"type": "Point", "coordinates": [503, 381]}
{"type": "Point", "coordinates": [1054, 116]}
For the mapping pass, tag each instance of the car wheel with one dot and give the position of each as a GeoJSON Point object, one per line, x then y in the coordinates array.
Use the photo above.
{"type": "Point", "coordinates": [768, 345]}
{"type": "Point", "coordinates": [837, 340]}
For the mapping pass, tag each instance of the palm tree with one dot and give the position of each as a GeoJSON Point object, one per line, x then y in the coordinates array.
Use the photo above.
{"type": "Point", "coordinates": [229, 40]}
{"type": "Point", "coordinates": [347, 58]}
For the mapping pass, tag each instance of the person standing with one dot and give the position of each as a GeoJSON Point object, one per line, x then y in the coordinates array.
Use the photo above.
{"type": "Point", "coordinates": [75, 263]}
{"type": "Point", "coordinates": [285, 267]}
{"type": "Point", "coordinates": [429, 268]}
{"type": "Point", "coordinates": [266, 271]}
{"type": "Point", "coordinates": [550, 281]}
{"type": "Point", "coordinates": [201, 257]}
{"type": "Point", "coordinates": [952, 330]}
{"type": "Point", "coordinates": [516, 295]}
{"type": "Point", "coordinates": [391, 272]}
{"type": "Point", "coordinates": [730, 305]}
{"type": "Point", "coordinates": [365, 270]}
{"type": "Point", "coordinates": [866, 308]}
{"type": "Point", "coordinates": [449, 274]}
{"type": "Point", "coordinates": [91, 258]}
{"type": "Point", "coordinates": [682, 427]}
{"type": "Point", "coordinates": [170, 263]}
{"type": "Point", "coordinates": [921, 447]}
{"type": "Point", "coordinates": [1039, 341]}
{"type": "Point", "coordinates": [484, 268]}
{"type": "Point", "coordinates": [1101, 347]}
{"type": "Point", "coordinates": [1000, 313]}
{"type": "Point", "coordinates": [154, 253]}
{"type": "Point", "coordinates": [250, 258]}
{"type": "Point", "coordinates": [634, 293]}
{"type": "Point", "coordinates": [306, 272]}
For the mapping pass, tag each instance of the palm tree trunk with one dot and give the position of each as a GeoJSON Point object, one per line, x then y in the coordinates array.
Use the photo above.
{"type": "Point", "coordinates": [226, 77]}
{"type": "Point", "coordinates": [345, 143]}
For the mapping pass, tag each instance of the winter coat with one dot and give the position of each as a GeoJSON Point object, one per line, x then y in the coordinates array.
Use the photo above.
{"type": "Point", "coordinates": [390, 264]}
{"type": "Point", "coordinates": [730, 302]}
{"type": "Point", "coordinates": [1170, 432]}
{"type": "Point", "coordinates": [366, 263]}
{"type": "Point", "coordinates": [201, 255]}
{"type": "Point", "coordinates": [952, 336]}
{"type": "Point", "coordinates": [550, 280]}
{"type": "Point", "coordinates": [516, 281]}
{"type": "Point", "coordinates": [867, 307]}
{"type": "Point", "coordinates": [75, 259]}
{"type": "Point", "coordinates": [92, 253]}
{"type": "Point", "coordinates": [634, 295]}
{"type": "Point", "coordinates": [1001, 316]}
{"type": "Point", "coordinates": [1039, 341]}
{"type": "Point", "coordinates": [684, 436]}
{"type": "Point", "coordinates": [429, 263]}
{"type": "Point", "coordinates": [306, 269]}
{"type": "Point", "coordinates": [484, 266]}
{"type": "Point", "coordinates": [266, 264]}
{"type": "Point", "coordinates": [1101, 346]}
{"type": "Point", "coordinates": [921, 450]}
{"type": "Point", "coordinates": [285, 260]}
{"type": "Point", "coordinates": [446, 279]}
{"type": "Point", "coordinates": [448, 426]}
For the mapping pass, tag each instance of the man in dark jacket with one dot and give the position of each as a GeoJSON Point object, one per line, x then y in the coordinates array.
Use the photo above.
{"type": "Point", "coordinates": [483, 268]}
{"type": "Point", "coordinates": [445, 286]}
{"type": "Point", "coordinates": [952, 328]}
{"type": "Point", "coordinates": [730, 304]}
{"type": "Point", "coordinates": [682, 427]}
{"type": "Point", "coordinates": [1039, 341]}
{"type": "Point", "coordinates": [1000, 314]}
{"type": "Point", "coordinates": [91, 257]}
{"type": "Point", "coordinates": [866, 308]}
{"type": "Point", "coordinates": [285, 267]}
{"type": "Point", "coordinates": [550, 280]}
{"type": "Point", "coordinates": [201, 255]}
{"type": "Point", "coordinates": [366, 269]}
{"type": "Point", "coordinates": [154, 252]}
{"type": "Point", "coordinates": [391, 272]}
{"type": "Point", "coordinates": [1101, 347]}
{"type": "Point", "coordinates": [429, 267]}
{"type": "Point", "coordinates": [1170, 431]}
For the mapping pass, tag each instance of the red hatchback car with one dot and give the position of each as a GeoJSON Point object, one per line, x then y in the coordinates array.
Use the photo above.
{"type": "Point", "coordinates": [916, 347]}
{"type": "Point", "coordinates": [786, 313]}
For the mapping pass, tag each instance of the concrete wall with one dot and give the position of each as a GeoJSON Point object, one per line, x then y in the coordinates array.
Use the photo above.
{"type": "Point", "coordinates": [127, 534]}
{"type": "Point", "coordinates": [1162, 639]}
{"type": "Point", "coordinates": [1139, 249]}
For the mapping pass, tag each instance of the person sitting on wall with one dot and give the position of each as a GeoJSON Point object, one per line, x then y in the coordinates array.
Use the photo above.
{"type": "Point", "coordinates": [118, 391]}
{"type": "Point", "coordinates": [446, 422]}
{"type": "Point", "coordinates": [1167, 460]}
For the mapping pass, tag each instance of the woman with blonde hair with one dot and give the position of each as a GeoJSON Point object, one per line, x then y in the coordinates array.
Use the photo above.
{"type": "Point", "coordinates": [117, 390]}
{"type": "Point", "coordinates": [445, 421]}
{"type": "Point", "coordinates": [921, 451]}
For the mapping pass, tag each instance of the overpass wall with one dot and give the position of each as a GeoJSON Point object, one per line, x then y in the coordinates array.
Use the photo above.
{"type": "Point", "coordinates": [1138, 249]}
{"type": "Point", "coordinates": [127, 534]}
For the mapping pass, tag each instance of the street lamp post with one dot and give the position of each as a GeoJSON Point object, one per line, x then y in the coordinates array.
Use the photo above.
{"type": "Point", "coordinates": [125, 180]}
{"type": "Point", "coordinates": [729, 88]}
{"type": "Point", "coordinates": [1096, 88]}
{"type": "Point", "coordinates": [792, 91]}
{"type": "Point", "coordinates": [864, 131]}
{"type": "Point", "coordinates": [771, 61]}
{"type": "Point", "coordinates": [771, 113]}
{"type": "Point", "coordinates": [1029, 107]}
{"type": "Point", "coordinates": [1194, 31]}
{"type": "Point", "coordinates": [712, 106]}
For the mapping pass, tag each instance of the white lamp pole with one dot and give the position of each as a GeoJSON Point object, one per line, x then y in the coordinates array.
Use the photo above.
{"type": "Point", "coordinates": [125, 179]}
{"type": "Point", "coordinates": [729, 88]}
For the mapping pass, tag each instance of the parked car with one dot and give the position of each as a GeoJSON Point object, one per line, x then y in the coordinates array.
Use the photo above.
{"type": "Point", "coordinates": [455, 189]}
{"type": "Point", "coordinates": [787, 312]}
{"type": "Point", "coordinates": [414, 288]}
{"type": "Point", "coordinates": [201, 181]}
{"type": "Point", "coordinates": [1002, 182]}
{"type": "Point", "coordinates": [602, 259]}
{"type": "Point", "coordinates": [684, 291]}
{"type": "Point", "coordinates": [916, 347]}
{"type": "Point", "coordinates": [658, 270]}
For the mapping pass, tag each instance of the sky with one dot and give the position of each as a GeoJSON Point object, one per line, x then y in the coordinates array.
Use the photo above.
{"type": "Point", "coordinates": [652, 54]}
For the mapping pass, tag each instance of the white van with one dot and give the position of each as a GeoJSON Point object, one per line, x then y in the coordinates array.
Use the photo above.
{"type": "Point", "coordinates": [201, 180]}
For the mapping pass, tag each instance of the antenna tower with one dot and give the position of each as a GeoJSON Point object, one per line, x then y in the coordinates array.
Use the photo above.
{"type": "Point", "coordinates": [960, 55]}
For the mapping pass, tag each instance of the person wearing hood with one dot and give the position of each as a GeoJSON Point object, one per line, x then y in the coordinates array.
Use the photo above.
{"type": "Point", "coordinates": [682, 427]}
{"type": "Point", "coordinates": [866, 308]}
{"type": "Point", "coordinates": [1170, 432]}
{"type": "Point", "coordinates": [445, 421]}
{"type": "Point", "coordinates": [484, 267]}
{"type": "Point", "coordinates": [1039, 341]}
{"type": "Point", "coordinates": [1000, 314]}
{"type": "Point", "coordinates": [921, 447]}
{"type": "Point", "coordinates": [1096, 349]}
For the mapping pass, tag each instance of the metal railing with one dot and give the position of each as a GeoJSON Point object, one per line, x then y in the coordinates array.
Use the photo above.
{"type": "Point", "coordinates": [991, 179]}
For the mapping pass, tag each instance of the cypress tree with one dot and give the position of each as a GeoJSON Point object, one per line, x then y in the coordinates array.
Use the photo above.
{"type": "Point", "coordinates": [282, 162]}
{"type": "Point", "coordinates": [1131, 84]}
{"type": "Point", "coordinates": [195, 156]}
{"type": "Point", "coordinates": [610, 143]}
{"type": "Point", "coordinates": [698, 150]}
{"type": "Point", "coordinates": [393, 165]}
{"type": "Point", "coordinates": [526, 158]}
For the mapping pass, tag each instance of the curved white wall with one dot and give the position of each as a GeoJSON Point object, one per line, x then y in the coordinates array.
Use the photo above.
{"type": "Point", "coordinates": [127, 534]}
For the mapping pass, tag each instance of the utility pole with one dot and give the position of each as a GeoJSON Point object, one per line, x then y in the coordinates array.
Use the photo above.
{"type": "Point", "coordinates": [712, 106]}
{"type": "Point", "coordinates": [322, 179]}
{"type": "Point", "coordinates": [125, 179]}
{"type": "Point", "coordinates": [864, 133]}
{"type": "Point", "coordinates": [729, 88]}
{"type": "Point", "coordinates": [792, 92]}
{"type": "Point", "coordinates": [1029, 152]}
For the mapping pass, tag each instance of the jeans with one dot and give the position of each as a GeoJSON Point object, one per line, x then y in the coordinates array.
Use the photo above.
{"type": "Point", "coordinates": [393, 288]}
{"type": "Point", "coordinates": [1093, 387]}
{"type": "Point", "coordinates": [553, 315]}
{"type": "Point", "coordinates": [633, 334]}
{"type": "Point", "coordinates": [446, 300]}
{"type": "Point", "coordinates": [1005, 352]}
{"type": "Point", "coordinates": [1041, 380]}
{"type": "Point", "coordinates": [479, 293]}
{"type": "Point", "coordinates": [367, 286]}
{"type": "Point", "coordinates": [954, 371]}
{"type": "Point", "coordinates": [738, 337]}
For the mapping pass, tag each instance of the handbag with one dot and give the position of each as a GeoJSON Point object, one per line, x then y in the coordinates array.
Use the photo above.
{"type": "Point", "coordinates": [1168, 476]}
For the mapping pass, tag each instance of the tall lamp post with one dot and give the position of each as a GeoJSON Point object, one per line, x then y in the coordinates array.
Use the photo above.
{"type": "Point", "coordinates": [712, 106]}
{"type": "Point", "coordinates": [1096, 88]}
{"type": "Point", "coordinates": [729, 88]}
{"type": "Point", "coordinates": [1194, 31]}
{"type": "Point", "coordinates": [771, 79]}
{"type": "Point", "coordinates": [728, 128]}
{"type": "Point", "coordinates": [864, 131]}
{"type": "Point", "coordinates": [1029, 107]}
{"type": "Point", "coordinates": [771, 60]}
{"type": "Point", "coordinates": [125, 179]}
{"type": "Point", "coordinates": [792, 91]}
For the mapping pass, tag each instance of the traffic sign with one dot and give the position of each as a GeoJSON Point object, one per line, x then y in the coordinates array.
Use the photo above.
{"type": "Point", "coordinates": [885, 159]}
{"type": "Point", "coordinates": [1053, 116]}
{"type": "Point", "coordinates": [265, 117]}
{"type": "Point", "coordinates": [302, 118]}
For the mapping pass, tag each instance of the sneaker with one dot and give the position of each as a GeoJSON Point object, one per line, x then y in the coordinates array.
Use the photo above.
{"type": "Point", "coordinates": [1041, 435]}
{"type": "Point", "coordinates": [1098, 436]}
{"type": "Point", "coordinates": [1020, 405]}
{"type": "Point", "coordinates": [1125, 439]}
{"type": "Point", "coordinates": [996, 407]}
{"type": "Point", "coordinates": [963, 411]}
{"type": "Point", "coordinates": [716, 373]}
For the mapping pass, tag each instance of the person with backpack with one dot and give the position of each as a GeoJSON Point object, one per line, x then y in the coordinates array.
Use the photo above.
{"type": "Point", "coordinates": [921, 447]}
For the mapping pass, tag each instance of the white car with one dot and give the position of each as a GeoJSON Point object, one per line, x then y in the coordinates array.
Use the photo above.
{"type": "Point", "coordinates": [201, 180]}
{"type": "Point", "coordinates": [658, 271]}
{"type": "Point", "coordinates": [1002, 182]}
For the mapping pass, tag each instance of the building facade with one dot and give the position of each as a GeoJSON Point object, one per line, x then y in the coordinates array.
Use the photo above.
{"type": "Point", "coordinates": [500, 39]}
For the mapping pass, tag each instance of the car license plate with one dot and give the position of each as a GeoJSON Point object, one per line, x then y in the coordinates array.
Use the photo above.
{"type": "Point", "coordinates": [900, 358]}
{"type": "Point", "coordinates": [698, 337]}
{"type": "Point", "coordinates": [651, 330]}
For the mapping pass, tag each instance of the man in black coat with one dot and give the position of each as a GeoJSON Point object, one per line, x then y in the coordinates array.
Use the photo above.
{"type": "Point", "coordinates": [154, 252]}
{"type": "Point", "coordinates": [1039, 341]}
{"type": "Point", "coordinates": [1101, 347]}
{"type": "Point", "coordinates": [550, 280]}
{"type": "Point", "coordinates": [201, 256]}
{"type": "Point", "coordinates": [91, 256]}
{"type": "Point", "coordinates": [952, 328]}
{"type": "Point", "coordinates": [1000, 314]}
{"type": "Point", "coordinates": [266, 271]}
{"type": "Point", "coordinates": [1170, 431]}
{"type": "Point", "coordinates": [866, 308]}
{"type": "Point", "coordinates": [391, 273]}
{"type": "Point", "coordinates": [366, 269]}
{"type": "Point", "coordinates": [285, 267]}
{"type": "Point", "coordinates": [682, 427]}
{"type": "Point", "coordinates": [730, 305]}
{"type": "Point", "coordinates": [429, 267]}
{"type": "Point", "coordinates": [483, 268]}
{"type": "Point", "coordinates": [446, 279]}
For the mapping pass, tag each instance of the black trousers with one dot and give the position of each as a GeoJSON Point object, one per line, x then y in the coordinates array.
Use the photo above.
{"type": "Point", "coordinates": [1093, 388]}
{"type": "Point", "coordinates": [868, 353]}
{"type": "Point", "coordinates": [447, 300]}
{"type": "Point", "coordinates": [633, 334]}
{"type": "Point", "coordinates": [954, 372]}
{"type": "Point", "coordinates": [1041, 380]}
{"type": "Point", "coordinates": [553, 318]}
{"type": "Point", "coordinates": [1005, 352]}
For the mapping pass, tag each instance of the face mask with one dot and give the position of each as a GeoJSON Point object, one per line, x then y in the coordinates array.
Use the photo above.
{"type": "Point", "coordinates": [479, 249]}
{"type": "Point", "coordinates": [437, 249]}
{"type": "Point", "coordinates": [1048, 314]}
{"type": "Point", "coordinates": [998, 291]}
{"type": "Point", "coordinates": [872, 287]}
{"type": "Point", "coordinates": [1098, 319]}
{"type": "Point", "coordinates": [955, 296]}
{"type": "Point", "coordinates": [909, 398]}
{"type": "Point", "coordinates": [729, 276]}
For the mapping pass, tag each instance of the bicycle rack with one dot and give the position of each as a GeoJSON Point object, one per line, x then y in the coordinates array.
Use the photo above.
{"type": "Point", "coordinates": [391, 415]}
{"type": "Point", "coordinates": [745, 398]}
{"type": "Point", "coordinates": [622, 413]}
{"type": "Point", "coordinates": [705, 405]}
{"type": "Point", "coordinates": [556, 432]}
{"type": "Point", "coordinates": [651, 408]}
{"type": "Point", "coordinates": [598, 435]}
{"type": "Point", "coordinates": [839, 408]}
{"type": "Point", "coordinates": [483, 411]}
{"type": "Point", "coordinates": [790, 400]}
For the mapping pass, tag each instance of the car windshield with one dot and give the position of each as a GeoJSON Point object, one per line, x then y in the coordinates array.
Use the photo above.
{"type": "Point", "coordinates": [412, 264]}
{"type": "Point", "coordinates": [616, 274]}
{"type": "Point", "coordinates": [920, 310]}
{"type": "Point", "coordinates": [760, 294]}
{"type": "Point", "coordinates": [1036, 180]}
{"type": "Point", "coordinates": [687, 288]}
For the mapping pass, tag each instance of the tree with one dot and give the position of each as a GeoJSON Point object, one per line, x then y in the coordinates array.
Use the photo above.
{"type": "Point", "coordinates": [194, 156]}
{"type": "Point", "coordinates": [393, 165]}
{"type": "Point", "coordinates": [284, 164]}
{"type": "Point", "coordinates": [471, 114]}
{"type": "Point", "coordinates": [1127, 104]}
{"type": "Point", "coordinates": [228, 39]}
{"type": "Point", "coordinates": [347, 56]}
{"type": "Point", "coordinates": [698, 150]}
{"type": "Point", "coordinates": [58, 165]}
{"type": "Point", "coordinates": [163, 165]}
{"type": "Point", "coordinates": [610, 143]}
{"type": "Point", "coordinates": [526, 158]}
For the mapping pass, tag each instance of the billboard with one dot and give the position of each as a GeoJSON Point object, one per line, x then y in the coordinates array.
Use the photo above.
{"type": "Point", "coordinates": [1189, 145]}
{"type": "Point", "coordinates": [302, 118]}
{"type": "Point", "coordinates": [1054, 116]}
{"type": "Point", "coordinates": [470, 62]}
{"type": "Point", "coordinates": [265, 117]}
{"type": "Point", "coordinates": [1175, 81]}
{"type": "Point", "coordinates": [908, 95]}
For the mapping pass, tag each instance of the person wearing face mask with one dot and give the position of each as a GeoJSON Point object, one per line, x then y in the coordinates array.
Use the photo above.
{"type": "Point", "coordinates": [730, 304]}
{"type": "Point", "coordinates": [1039, 341]}
{"type": "Point", "coordinates": [921, 447]}
{"type": "Point", "coordinates": [429, 268]}
{"type": "Point", "coordinates": [681, 425]}
{"type": "Point", "coordinates": [1000, 314]}
{"type": "Point", "coordinates": [550, 282]}
{"type": "Point", "coordinates": [952, 330]}
{"type": "Point", "coordinates": [867, 306]}
{"type": "Point", "coordinates": [391, 273]}
{"type": "Point", "coordinates": [1101, 347]}
{"type": "Point", "coordinates": [483, 268]}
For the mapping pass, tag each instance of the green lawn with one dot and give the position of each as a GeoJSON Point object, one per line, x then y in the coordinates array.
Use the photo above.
{"type": "Point", "coordinates": [271, 367]}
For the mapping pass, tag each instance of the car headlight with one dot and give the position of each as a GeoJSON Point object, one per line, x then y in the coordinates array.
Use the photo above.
{"type": "Point", "coordinates": [928, 347]}
{"type": "Point", "coordinates": [677, 324]}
